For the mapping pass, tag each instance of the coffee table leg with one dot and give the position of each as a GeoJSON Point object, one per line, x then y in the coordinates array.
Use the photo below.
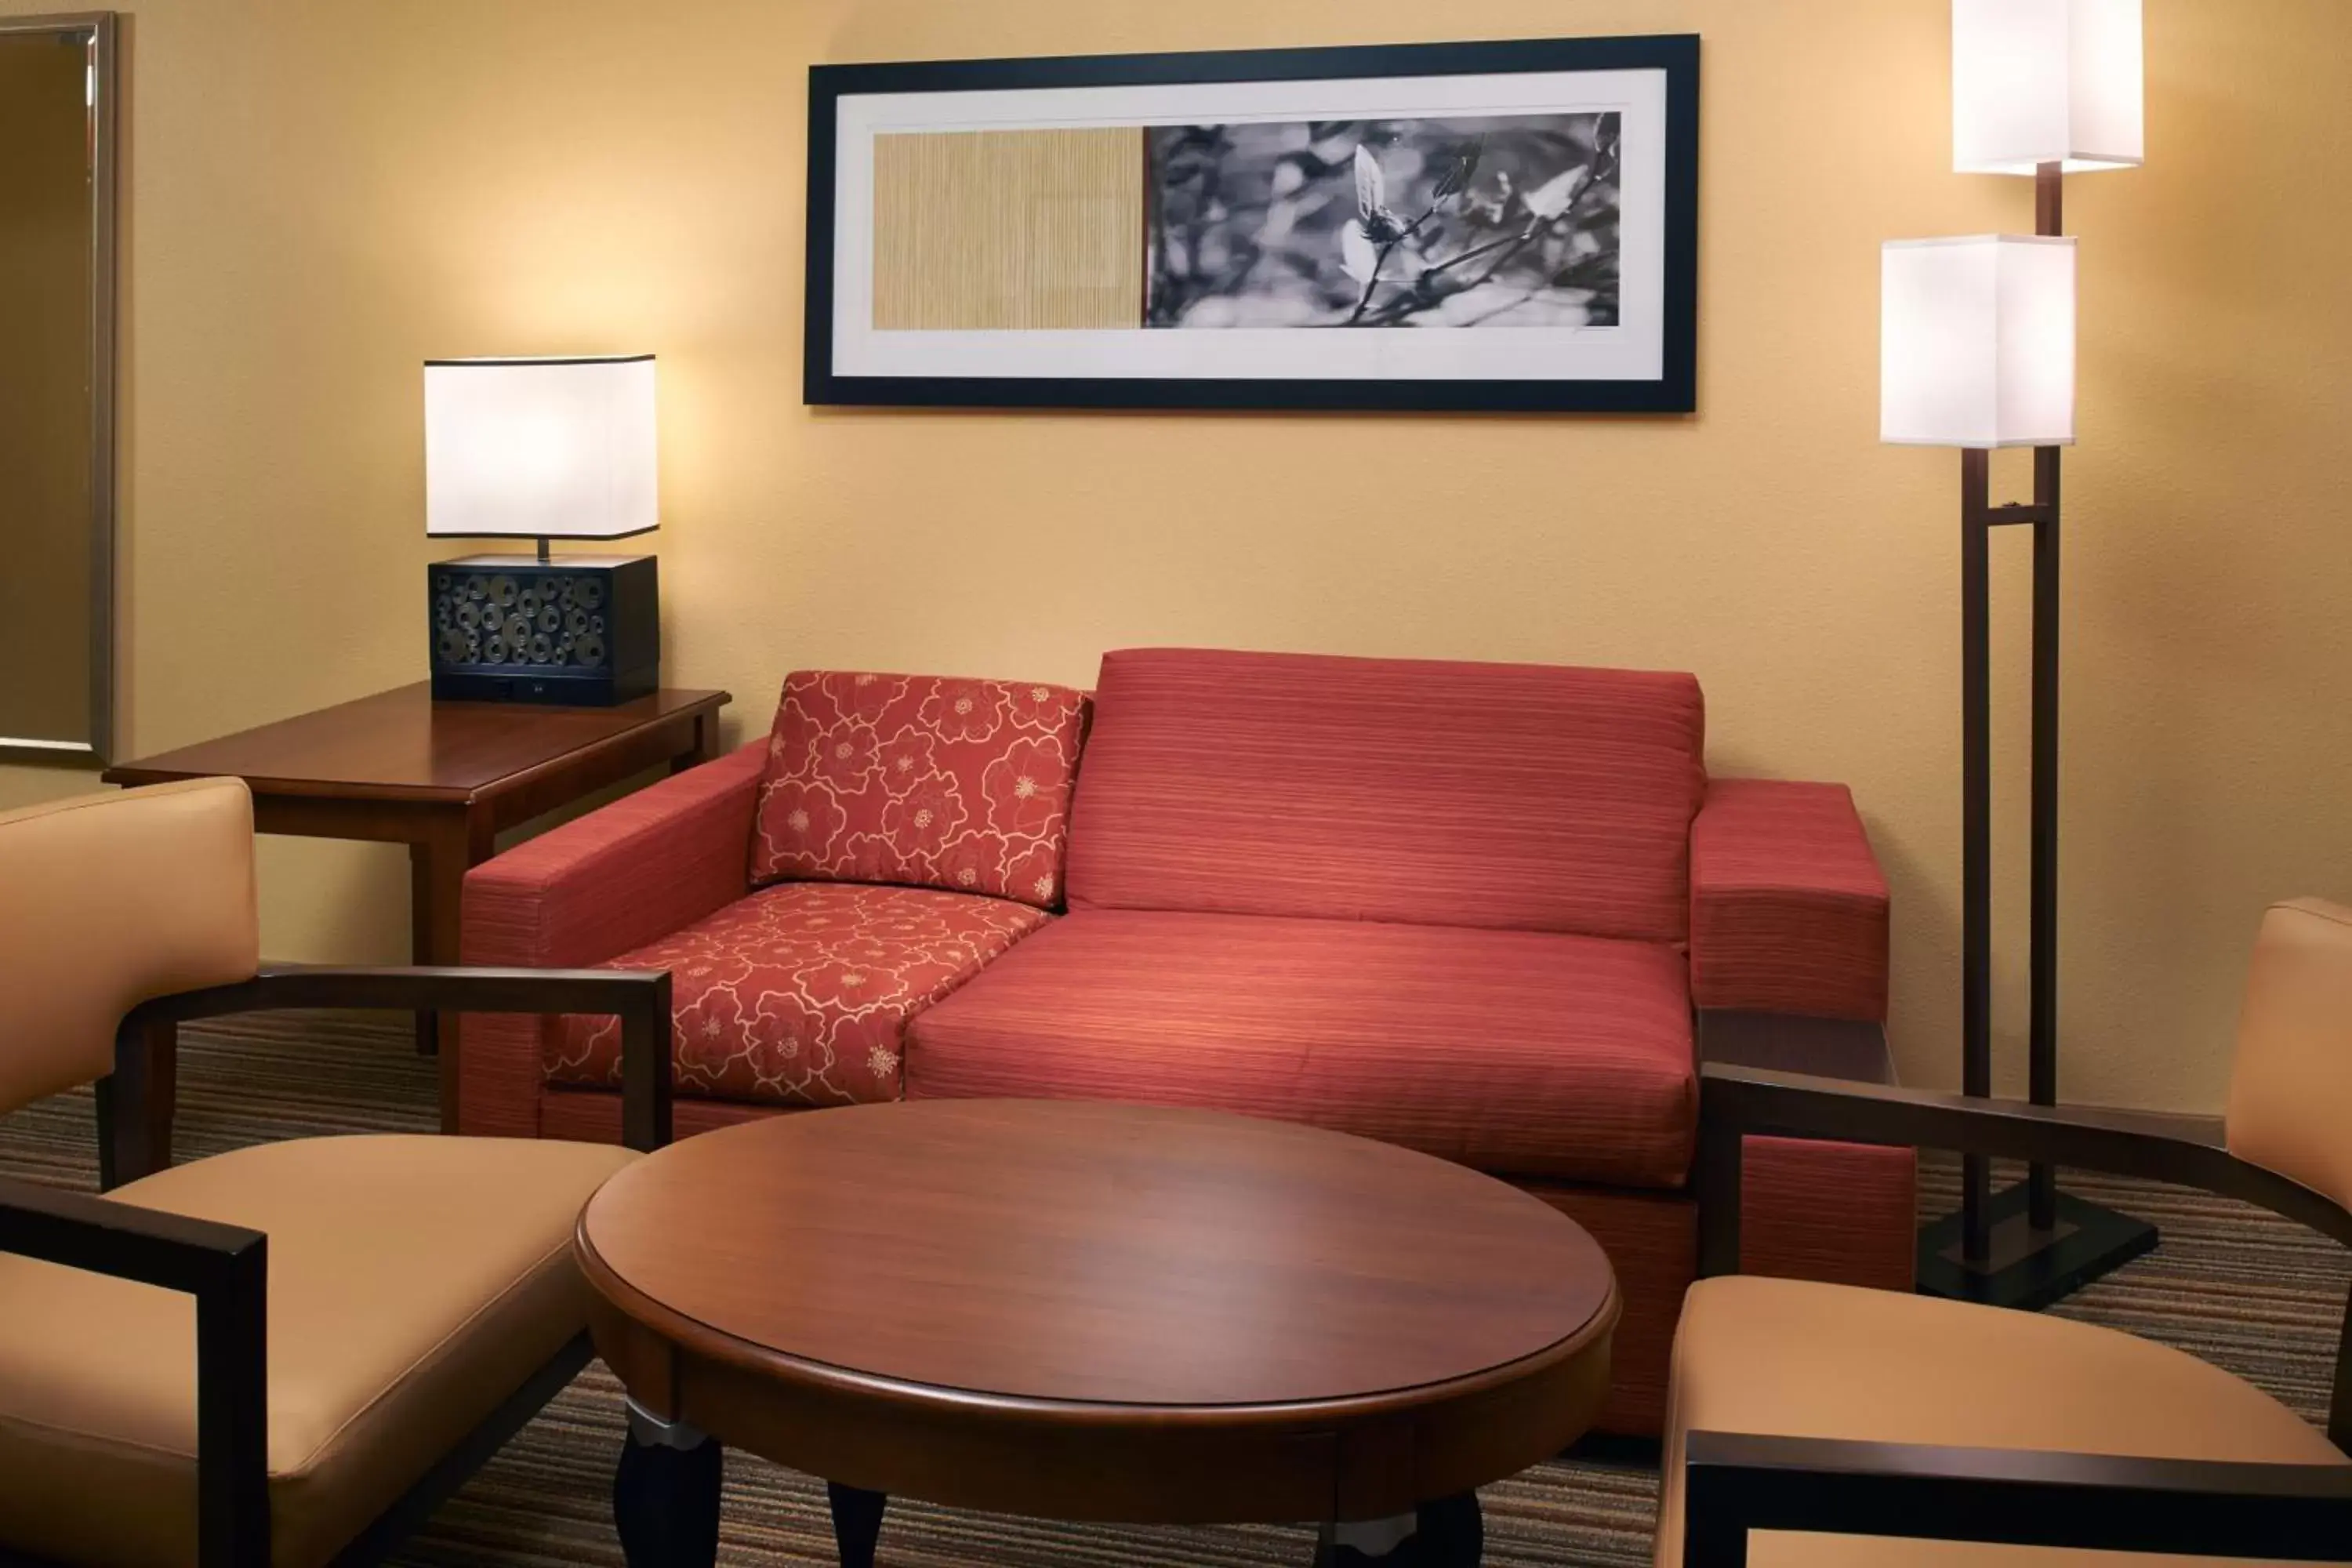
{"type": "Point", "coordinates": [666, 1494]}
{"type": "Point", "coordinates": [856, 1523]}
{"type": "Point", "coordinates": [1448, 1533]}
{"type": "Point", "coordinates": [1452, 1533]}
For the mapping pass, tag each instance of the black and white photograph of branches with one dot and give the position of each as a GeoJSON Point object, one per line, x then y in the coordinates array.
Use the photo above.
{"type": "Point", "coordinates": [1499, 222]}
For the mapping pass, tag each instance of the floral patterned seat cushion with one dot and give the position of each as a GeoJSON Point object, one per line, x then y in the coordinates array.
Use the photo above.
{"type": "Point", "coordinates": [920, 780]}
{"type": "Point", "coordinates": [798, 994]}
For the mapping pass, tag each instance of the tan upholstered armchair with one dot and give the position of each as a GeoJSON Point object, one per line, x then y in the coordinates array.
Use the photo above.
{"type": "Point", "coordinates": [289, 1354]}
{"type": "Point", "coordinates": [1963, 1431]}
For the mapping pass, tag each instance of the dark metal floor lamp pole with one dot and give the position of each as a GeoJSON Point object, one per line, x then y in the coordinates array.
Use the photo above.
{"type": "Point", "coordinates": [2049, 220]}
{"type": "Point", "coordinates": [2041, 1050]}
{"type": "Point", "coordinates": [1976, 835]}
{"type": "Point", "coordinates": [2034, 1245]}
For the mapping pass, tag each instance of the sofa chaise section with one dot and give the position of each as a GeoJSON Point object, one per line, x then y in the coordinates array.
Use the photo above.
{"type": "Point", "coordinates": [808, 894]}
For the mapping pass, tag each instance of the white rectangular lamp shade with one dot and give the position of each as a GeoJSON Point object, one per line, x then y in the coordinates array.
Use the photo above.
{"type": "Point", "coordinates": [2046, 81]}
{"type": "Point", "coordinates": [541, 448]}
{"type": "Point", "coordinates": [1977, 342]}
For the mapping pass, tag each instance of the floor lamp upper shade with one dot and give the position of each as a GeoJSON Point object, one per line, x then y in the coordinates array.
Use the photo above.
{"type": "Point", "coordinates": [1977, 342]}
{"type": "Point", "coordinates": [2046, 81]}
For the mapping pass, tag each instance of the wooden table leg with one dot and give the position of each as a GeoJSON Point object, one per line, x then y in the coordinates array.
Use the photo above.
{"type": "Point", "coordinates": [1448, 1533]}
{"type": "Point", "coordinates": [856, 1523]}
{"type": "Point", "coordinates": [420, 935]}
{"type": "Point", "coordinates": [706, 744]}
{"type": "Point", "coordinates": [666, 1494]}
{"type": "Point", "coordinates": [455, 841]}
{"type": "Point", "coordinates": [1453, 1532]}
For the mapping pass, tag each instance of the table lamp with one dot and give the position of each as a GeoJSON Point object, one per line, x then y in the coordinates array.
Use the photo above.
{"type": "Point", "coordinates": [1977, 351]}
{"type": "Point", "coordinates": [542, 449]}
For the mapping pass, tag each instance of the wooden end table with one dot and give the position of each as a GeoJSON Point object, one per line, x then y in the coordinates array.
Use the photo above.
{"type": "Point", "coordinates": [444, 778]}
{"type": "Point", "coordinates": [1086, 1311]}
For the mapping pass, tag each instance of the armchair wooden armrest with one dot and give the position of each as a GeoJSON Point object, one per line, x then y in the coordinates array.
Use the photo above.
{"type": "Point", "coordinates": [2186, 1151]}
{"type": "Point", "coordinates": [226, 1266]}
{"type": "Point", "coordinates": [226, 1269]}
{"type": "Point", "coordinates": [134, 1125]}
{"type": "Point", "coordinates": [1739, 1482]}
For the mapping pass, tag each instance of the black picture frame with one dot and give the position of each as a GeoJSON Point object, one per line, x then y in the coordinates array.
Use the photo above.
{"type": "Point", "coordinates": [1674, 391]}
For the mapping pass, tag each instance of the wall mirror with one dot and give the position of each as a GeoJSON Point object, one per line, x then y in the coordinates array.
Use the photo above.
{"type": "Point", "coordinates": [57, 151]}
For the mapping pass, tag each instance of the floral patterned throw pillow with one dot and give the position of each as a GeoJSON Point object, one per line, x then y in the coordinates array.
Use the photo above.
{"type": "Point", "coordinates": [921, 779]}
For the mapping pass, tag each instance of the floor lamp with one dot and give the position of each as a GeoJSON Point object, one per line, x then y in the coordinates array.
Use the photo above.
{"type": "Point", "coordinates": [1976, 349]}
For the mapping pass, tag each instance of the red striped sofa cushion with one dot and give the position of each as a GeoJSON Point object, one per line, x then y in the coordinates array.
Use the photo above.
{"type": "Point", "coordinates": [1520, 1053]}
{"type": "Point", "coordinates": [1524, 796]}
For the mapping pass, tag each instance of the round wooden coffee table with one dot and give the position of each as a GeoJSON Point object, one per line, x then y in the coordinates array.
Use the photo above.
{"type": "Point", "coordinates": [1086, 1311]}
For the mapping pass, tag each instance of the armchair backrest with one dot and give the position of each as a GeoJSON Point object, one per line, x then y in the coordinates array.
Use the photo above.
{"type": "Point", "coordinates": [107, 900]}
{"type": "Point", "coordinates": [2290, 1085]}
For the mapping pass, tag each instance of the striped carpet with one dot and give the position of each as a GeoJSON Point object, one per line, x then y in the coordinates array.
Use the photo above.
{"type": "Point", "coordinates": [2253, 1294]}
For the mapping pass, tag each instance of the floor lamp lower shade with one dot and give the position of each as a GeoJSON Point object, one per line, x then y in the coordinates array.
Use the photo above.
{"type": "Point", "coordinates": [1976, 341]}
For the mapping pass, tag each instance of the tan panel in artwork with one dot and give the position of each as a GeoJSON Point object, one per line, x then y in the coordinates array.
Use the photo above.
{"type": "Point", "coordinates": [998, 230]}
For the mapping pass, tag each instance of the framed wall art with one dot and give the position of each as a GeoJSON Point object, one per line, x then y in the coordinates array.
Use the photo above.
{"type": "Point", "coordinates": [1496, 225]}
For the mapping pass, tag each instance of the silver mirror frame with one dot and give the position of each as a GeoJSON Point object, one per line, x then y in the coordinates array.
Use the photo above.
{"type": "Point", "coordinates": [100, 30]}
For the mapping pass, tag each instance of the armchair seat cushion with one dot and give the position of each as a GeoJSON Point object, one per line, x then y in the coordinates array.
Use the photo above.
{"type": "Point", "coordinates": [1792, 1359]}
{"type": "Point", "coordinates": [1521, 1053]}
{"type": "Point", "coordinates": [798, 994]}
{"type": "Point", "coordinates": [404, 1308]}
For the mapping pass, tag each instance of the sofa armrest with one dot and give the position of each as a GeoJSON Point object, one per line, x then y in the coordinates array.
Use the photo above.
{"type": "Point", "coordinates": [647, 865]}
{"type": "Point", "coordinates": [639, 868]}
{"type": "Point", "coordinates": [1787, 903]}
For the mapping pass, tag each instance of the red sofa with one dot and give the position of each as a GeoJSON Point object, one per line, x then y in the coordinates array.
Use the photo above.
{"type": "Point", "coordinates": [1471, 908]}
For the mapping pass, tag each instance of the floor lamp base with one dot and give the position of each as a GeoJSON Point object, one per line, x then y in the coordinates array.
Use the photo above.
{"type": "Point", "coordinates": [2030, 1269]}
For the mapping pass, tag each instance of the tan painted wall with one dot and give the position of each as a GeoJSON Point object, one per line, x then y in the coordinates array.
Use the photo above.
{"type": "Point", "coordinates": [44, 373]}
{"type": "Point", "coordinates": [322, 196]}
